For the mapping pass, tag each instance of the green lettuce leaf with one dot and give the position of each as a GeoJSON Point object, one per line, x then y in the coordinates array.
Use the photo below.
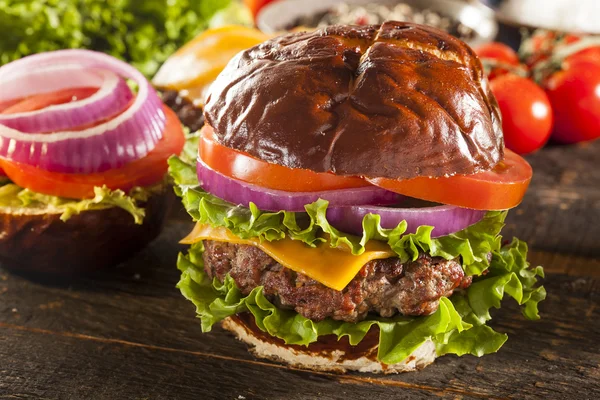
{"type": "Point", "coordinates": [190, 149]}
{"type": "Point", "coordinates": [472, 244]}
{"type": "Point", "coordinates": [457, 327]}
{"type": "Point", "coordinates": [14, 196]}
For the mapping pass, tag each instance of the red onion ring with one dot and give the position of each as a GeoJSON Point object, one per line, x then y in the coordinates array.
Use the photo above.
{"type": "Point", "coordinates": [445, 219]}
{"type": "Point", "coordinates": [112, 144]}
{"type": "Point", "coordinates": [239, 192]}
{"type": "Point", "coordinates": [51, 79]}
{"type": "Point", "coordinates": [111, 98]}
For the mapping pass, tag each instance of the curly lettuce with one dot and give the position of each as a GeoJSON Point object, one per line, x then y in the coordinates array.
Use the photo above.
{"type": "Point", "coordinates": [457, 327]}
{"type": "Point", "coordinates": [14, 196]}
{"type": "Point", "coordinates": [472, 244]}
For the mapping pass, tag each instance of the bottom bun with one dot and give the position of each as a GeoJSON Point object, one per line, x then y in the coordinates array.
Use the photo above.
{"type": "Point", "coordinates": [37, 240]}
{"type": "Point", "coordinates": [327, 354]}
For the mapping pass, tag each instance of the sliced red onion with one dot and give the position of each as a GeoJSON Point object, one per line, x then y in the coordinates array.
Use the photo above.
{"type": "Point", "coordinates": [239, 192]}
{"type": "Point", "coordinates": [125, 138]}
{"type": "Point", "coordinates": [111, 99]}
{"type": "Point", "coordinates": [444, 219]}
{"type": "Point", "coordinates": [50, 79]}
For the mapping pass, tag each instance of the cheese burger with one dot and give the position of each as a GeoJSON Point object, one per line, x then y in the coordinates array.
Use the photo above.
{"type": "Point", "coordinates": [349, 192]}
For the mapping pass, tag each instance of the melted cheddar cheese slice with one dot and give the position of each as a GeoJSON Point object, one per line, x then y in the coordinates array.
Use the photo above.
{"type": "Point", "coordinates": [333, 267]}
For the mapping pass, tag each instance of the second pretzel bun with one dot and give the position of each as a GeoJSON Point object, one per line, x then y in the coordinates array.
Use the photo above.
{"type": "Point", "coordinates": [37, 240]}
{"type": "Point", "coordinates": [396, 101]}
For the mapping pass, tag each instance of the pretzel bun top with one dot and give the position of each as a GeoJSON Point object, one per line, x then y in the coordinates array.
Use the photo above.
{"type": "Point", "coordinates": [397, 100]}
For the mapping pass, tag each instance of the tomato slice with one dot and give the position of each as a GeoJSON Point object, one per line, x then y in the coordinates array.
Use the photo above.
{"type": "Point", "coordinates": [40, 101]}
{"type": "Point", "coordinates": [7, 103]}
{"type": "Point", "coordinates": [143, 172]}
{"type": "Point", "coordinates": [499, 189]}
{"type": "Point", "coordinates": [244, 167]}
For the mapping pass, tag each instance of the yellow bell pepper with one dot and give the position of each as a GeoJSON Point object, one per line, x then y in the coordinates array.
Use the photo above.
{"type": "Point", "coordinates": [192, 68]}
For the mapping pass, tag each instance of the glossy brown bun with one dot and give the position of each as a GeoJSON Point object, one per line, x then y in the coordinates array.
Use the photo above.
{"type": "Point", "coordinates": [36, 240]}
{"type": "Point", "coordinates": [398, 100]}
{"type": "Point", "coordinates": [327, 354]}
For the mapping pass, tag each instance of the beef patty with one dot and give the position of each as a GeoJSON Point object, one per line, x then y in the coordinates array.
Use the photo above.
{"type": "Point", "coordinates": [386, 287]}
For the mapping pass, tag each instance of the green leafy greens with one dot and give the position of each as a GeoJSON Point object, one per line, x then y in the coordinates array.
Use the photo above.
{"type": "Point", "coordinates": [14, 196]}
{"type": "Point", "coordinates": [143, 33]}
{"type": "Point", "coordinates": [457, 327]}
{"type": "Point", "coordinates": [472, 244]}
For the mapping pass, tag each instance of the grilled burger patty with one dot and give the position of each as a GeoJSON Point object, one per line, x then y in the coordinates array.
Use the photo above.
{"type": "Point", "coordinates": [385, 287]}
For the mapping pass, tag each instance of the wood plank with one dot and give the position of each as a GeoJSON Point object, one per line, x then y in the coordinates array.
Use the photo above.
{"type": "Point", "coordinates": [128, 333]}
{"type": "Point", "coordinates": [558, 226]}
{"type": "Point", "coordinates": [566, 168]}
{"type": "Point", "coordinates": [83, 367]}
{"type": "Point", "coordinates": [118, 312]}
{"type": "Point", "coordinates": [561, 211]}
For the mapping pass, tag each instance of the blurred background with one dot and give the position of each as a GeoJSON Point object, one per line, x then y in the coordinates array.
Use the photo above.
{"type": "Point", "coordinates": [528, 47]}
{"type": "Point", "coordinates": [147, 32]}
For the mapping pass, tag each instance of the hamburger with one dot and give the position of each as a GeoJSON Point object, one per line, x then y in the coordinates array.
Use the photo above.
{"type": "Point", "coordinates": [349, 192]}
{"type": "Point", "coordinates": [83, 162]}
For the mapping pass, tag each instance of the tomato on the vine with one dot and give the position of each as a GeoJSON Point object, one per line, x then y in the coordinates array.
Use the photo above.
{"type": "Point", "coordinates": [499, 59]}
{"type": "Point", "coordinates": [526, 113]}
{"type": "Point", "coordinates": [590, 54]}
{"type": "Point", "coordinates": [499, 52]}
{"type": "Point", "coordinates": [540, 46]}
{"type": "Point", "coordinates": [574, 93]}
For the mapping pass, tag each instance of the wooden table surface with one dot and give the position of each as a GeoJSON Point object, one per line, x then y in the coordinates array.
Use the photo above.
{"type": "Point", "coordinates": [127, 333]}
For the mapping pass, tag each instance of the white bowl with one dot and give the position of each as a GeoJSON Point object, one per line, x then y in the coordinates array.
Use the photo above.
{"type": "Point", "coordinates": [279, 15]}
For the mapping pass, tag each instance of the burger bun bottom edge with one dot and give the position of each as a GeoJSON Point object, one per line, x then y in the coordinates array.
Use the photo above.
{"type": "Point", "coordinates": [329, 358]}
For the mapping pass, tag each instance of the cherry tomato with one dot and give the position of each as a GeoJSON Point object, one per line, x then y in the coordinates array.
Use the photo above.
{"type": "Point", "coordinates": [574, 93]}
{"type": "Point", "coordinates": [501, 188]}
{"type": "Point", "coordinates": [590, 54]}
{"type": "Point", "coordinates": [499, 59]}
{"type": "Point", "coordinates": [256, 5]}
{"type": "Point", "coordinates": [246, 168]}
{"type": "Point", "coordinates": [143, 172]}
{"type": "Point", "coordinates": [543, 43]}
{"type": "Point", "coordinates": [526, 113]}
{"type": "Point", "coordinates": [499, 52]}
